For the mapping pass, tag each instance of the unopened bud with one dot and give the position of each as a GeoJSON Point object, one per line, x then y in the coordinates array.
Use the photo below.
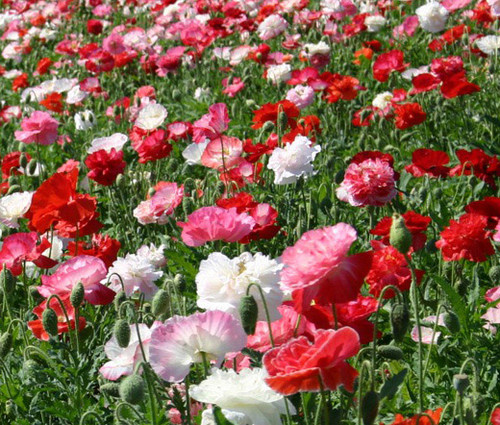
{"type": "Point", "coordinates": [176, 95]}
{"type": "Point", "coordinates": [400, 320]}
{"type": "Point", "coordinates": [282, 120]}
{"type": "Point", "coordinates": [50, 322]}
{"type": "Point", "coordinates": [120, 297]}
{"type": "Point", "coordinates": [7, 280]}
{"type": "Point", "coordinates": [121, 332]}
{"type": "Point", "coordinates": [248, 314]}
{"type": "Point", "coordinates": [77, 295]}
{"type": "Point", "coordinates": [180, 282]}
{"type": "Point", "coordinates": [494, 274]}
{"type": "Point", "coordinates": [451, 322]}
{"type": "Point", "coordinates": [399, 236]}
{"type": "Point", "coordinates": [160, 303]}
{"type": "Point", "coordinates": [5, 344]}
{"type": "Point", "coordinates": [369, 407]}
{"type": "Point", "coordinates": [268, 126]}
{"type": "Point", "coordinates": [111, 388]}
{"type": "Point", "coordinates": [132, 389]}
{"type": "Point", "coordinates": [23, 160]}
{"type": "Point", "coordinates": [251, 103]}
{"type": "Point", "coordinates": [390, 352]}
{"type": "Point", "coordinates": [32, 166]}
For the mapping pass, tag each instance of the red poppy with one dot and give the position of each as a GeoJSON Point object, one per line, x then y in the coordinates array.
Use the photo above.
{"type": "Point", "coordinates": [152, 146]}
{"type": "Point", "coordinates": [94, 26]}
{"type": "Point", "coordinates": [488, 207]}
{"type": "Point", "coordinates": [20, 82]}
{"type": "Point", "coordinates": [36, 326]}
{"type": "Point", "coordinates": [429, 162]}
{"type": "Point", "coordinates": [101, 246]}
{"type": "Point", "coordinates": [457, 85]}
{"type": "Point", "coordinates": [495, 416]}
{"type": "Point", "coordinates": [419, 419]}
{"type": "Point", "coordinates": [53, 102]}
{"type": "Point", "coordinates": [21, 247]}
{"type": "Point", "coordinates": [387, 63]}
{"type": "Point", "coordinates": [417, 225]}
{"type": "Point", "coordinates": [10, 163]}
{"type": "Point", "coordinates": [301, 366]}
{"type": "Point", "coordinates": [43, 66]}
{"type": "Point", "coordinates": [105, 166]}
{"type": "Point", "coordinates": [446, 67]}
{"type": "Point", "coordinates": [466, 239]}
{"type": "Point", "coordinates": [389, 267]}
{"type": "Point", "coordinates": [56, 203]}
{"type": "Point", "coordinates": [342, 87]}
{"type": "Point", "coordinates": [256, 151]}
{"type": "Point", "coordinates": [269, 112]}
{"type": "Point", "coordinates": [476, 161]}
{"type": "Point", "coordinates": [424, 82]}
{"type": "Point", "coordinates": [408, 115]}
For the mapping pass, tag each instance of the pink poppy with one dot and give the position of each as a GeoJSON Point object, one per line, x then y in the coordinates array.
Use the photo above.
{"type": "Point", "coordinates": [124, 360]}
{"type": "Point", "coordinates": [317, 267]}
{"type": "Point", "coordinates": [215, 223]}
{"type": "Point", "coordinates": [40, 128]}
{"type": "Point", "coordinates": [387, 63]}
{"type": "Point", "coordinates": [211, 125]}
{"type": "Point", "coordinates": [180, 342]}
{"type": "Point", "coordinates": [83, 268]}
{"type": "Point", "coordinates": [21, 247]}
{"type": "Point", "coordinates": [231, 89]}
{"type": "Point", "coordinates": [222, 152]}
{"type": "Point", "coordinates": [114, 44]}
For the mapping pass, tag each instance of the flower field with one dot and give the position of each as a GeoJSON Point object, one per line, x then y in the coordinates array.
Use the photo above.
{"type": "Point", "coordinates": [254, 212]}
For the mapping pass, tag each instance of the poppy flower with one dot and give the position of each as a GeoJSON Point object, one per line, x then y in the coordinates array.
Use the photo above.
{"type": "Point", "coordinates": [36, 326]}
{"type": "Point", "coordinates": [408, 115]}
{"type": "Point", "coordinates": [11, 165]}
{"type": "Point", "coordinates": [342, 87]}
{"type": "Point", "coordinates": [317, 267]}
{"type": "Point", "coordinates": [39, 128]}
{"type": "Point", "coordinates": [57, 203]}
{"type": "Point", "coordinates": [269, 112]}
{"type": "Point", "coordinates": [488, 207]}
{"type": "Point", "coordinates": [53, 102]}
{"type": "Point", "coordinates": [418, 419]}
{"type": "Point", "coordinates": [466, 239]}
{"type": "Point", "coordinates": [387, 63]}
{"type": "Point", "coordinates": [457, 85]}
{"type": "Point", "coordinates": [101, 246]}
{"type": "Point", "coordinates": [105, 166]}
{"type": "Point", "coordinates": [429, 162]}
{"type": "Point", "coordinates": [20, 82]}
{"type": "Point", "coordinates": [424, 82]}
{"type": "Point", "coordinates": [21, 247]}
{"type": "Point", "coordinates": [300, 366]}
{"type": "Point", "coordinates": [495, 416]}
{"type": "Point", "coordinates": [477, 162]}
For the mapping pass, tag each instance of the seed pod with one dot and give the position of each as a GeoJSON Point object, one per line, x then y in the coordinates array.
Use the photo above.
{"type": "Point", "coordinates": [248, 313]}
{"type": "Point", "coordinates": [122, 333]}
{"type": "Point", "coordinates": [390, 352]}
{"type": "Point", "coordinates": [400, 320]}
{"type": "Point", "coordinates": [5, 344]}
{"type": "Point", "coordinates": [111, 388]}
{"type": "Point", "coordinates": [451, 322]}
{"type": "Point", "coordinates": [49, 322]}
{"type": "Point", "coordinates": [160, 303]}
{"type": "Point", "coordinates": [494, 274]}
{"type": "Point", "coordinates": [369, 407]}
{"type": "Point", "coordinates": [120, 297]}
{"type": "Point", "coordinates": [7, 280]}
{"type": "Point", "coordinates": [399, 236]}
{"type": "Point", "coordinates": [461, 383]}
{"type": "Point", "coordinates": [132, 389]}
{"type": "Point", "coordinates": [77, 295]}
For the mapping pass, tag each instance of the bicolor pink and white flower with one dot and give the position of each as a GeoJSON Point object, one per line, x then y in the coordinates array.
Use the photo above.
{"type": "Point", "coordinates": [39, 128]}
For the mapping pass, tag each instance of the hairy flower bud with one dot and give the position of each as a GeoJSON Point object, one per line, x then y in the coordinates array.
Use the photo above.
{"type": "Point", "coordinates": [451, 322]}
{"type": "Point", "coordinates": [400, 320]}
{"type": "Point", "coordinates": [494, 274]}
{"type": "Point", "coordinates": [248, 312]}
{"type": "Point", "coordinates": [49, 322]}
{"type": "Point", "coordinates": [399, 236]}
{"type": "Point", "coordinates": [77, 295]}
{"type": "Point", "coordinates": [369, 407]}
{"type": "Point", "coordinates": [461, 383]}
{"type": "Point", "coordinates": [122, 332]}
{"type": "Point", "coordinates": [111, 388]}
{"type": "Point", "coordinates": [132, 389]}
{"type": "Point", "coordinates": [5, 344]}
{"type": "Point", "coordinates": [390, 352]}
{"type": "Point", "coordinates": [120, 297]}
{"type": "Point", "coordinates": [180, 282]}
{"type": "Point", "coordinates": [7, 280]}
{"type": "Point", "coordinates": [160, 303]}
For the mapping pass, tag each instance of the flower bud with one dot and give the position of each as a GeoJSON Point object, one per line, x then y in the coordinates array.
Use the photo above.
{"type": "Point", "coordinates": [120, 180]}
{"type": "Point", "coordinates": [111, 388]}
{"type": "Point", "coordinates": [369, 407]}
{"type": "Point", "coordinates": [7, 280]}
{"type": "Point", "coordinates": [12, 180]}
{"type": "Point", "coordinates": [399, 236]}
{"type": "Point", "coordinates": [120, 297]}
{"type": "Point", "coordinates": [49, 322]}
{"type": "Point", "coordinates": [23, 160]}
{"type": "Point", "coordinates": [180, 282]}
{"type": "Point", "coordinates": [160, 303]}
{"type": "Point", "coordinates": [390, 352]}
{"type": "Point", "coordinates": [400, 320]}
{"type": "Point", "coordinates": [176, 95]}
{"type": "Point", "coordinates": [151, 191]}
{"type": "Point", "coordinates": [268, 126]}
{"type": "Point", "coordinates": [31, 369]}
{"type": "Point", "coordinates": [5, 344]}
{"type": "Point", "coordinates": [21, 147]}
{"type": "Point", "coordinates": [494, 274]}
{"type": "Point", "coordinates": [451, 322]}
{"type": "Point", "coordinates": [32, 166]}
{"type": "Point", "coordinates": [248, 312]}
{"type": "Point", "coordinates": [251, 103]}
{"type": "Point", "coordinates": [132, 389]}
{"type": "Point", "coordinates": [282, 121]}
{"type": "Point", "coordinates": [122, 332]}
{"type": "Point", "coordinates": [461, 383]}
{"type": "Point", "coordinates": [77, 295]}
{"type": "Point", "coordinates": [234, 109]}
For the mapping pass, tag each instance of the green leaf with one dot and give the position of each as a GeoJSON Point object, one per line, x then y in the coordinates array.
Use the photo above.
{"type": "Point", "coordinates": [220, 419]}
{"type": "Point", "coordinates": [391, 386]}
{"type": "Point", "coordinates": [457, 303]}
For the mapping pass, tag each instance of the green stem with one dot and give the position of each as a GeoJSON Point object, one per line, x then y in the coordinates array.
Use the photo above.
{"type": "Point", "coordinates": [266, 310]}
{"type": "Point", "coordinates": [305, 411]}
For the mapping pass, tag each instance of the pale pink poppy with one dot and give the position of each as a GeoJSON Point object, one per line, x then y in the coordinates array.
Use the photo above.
{"type": "Point", "coordinates": [211, 125]}
{"type": "Point", "coordinates": [85, 269]}
{"type": "Point", "coordinates": [39, 128]}
{"type": "Point", "coordinates": [407, 28]}
{"type": "Point", "coordinates": [215, 223]}
{"type": "Point", "coordinates": [124, 360]}
{"type": "Point", "coordinates": [427, 330]}
{"type": "Point", "coordinates": [233, 87]}
{"type": "Point", "coordinates": [180, 342]}
{"type": "Point", "coordinates": [114, 44]}
{"type": "Point", "coordinates": [492, 294]}
{"type": "Point", "coordinates": [223, 152]}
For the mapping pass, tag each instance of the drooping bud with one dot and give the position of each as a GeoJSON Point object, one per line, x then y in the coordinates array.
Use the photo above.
{"type": "Point", "coordinates": [451, 322]}
{"type": "Point", "coordinates": [23, 160]}
{"type": "Point", "coordinates": [399, 236]}
{"type": "Point", "coordinates": [160, 303]}
{"type": "Point", "coordinates": [77, 295]}
{"type": "Point", "coordinates": [132, 389]}
{"type": "Point", "coordinates": [120, 297]}
{"type": "Point", "coordinates": [180, 282]}
{"type": "Point", "coordinates": [32, 166]}
{"type": "Point", "coordinates": [111, 388]}
{"type": "Point", "coordinates": [494, 274]}
{"type": "Point", "coordinates": [13, 189]}
{"type": "Point", "coordinates": [461, 383]}
{"type": "Point", "coordinates": [49, 322]}
{"type": "Point", "coordinates": [268, 126]}
{"type": "Point", "coordinates": [176, 95]}
{"type": "Point", "coordinates": [390, 352]}
{"type": "Point", "coordinates": [5, 344]}
{"type": "Point", "coordinates": [400, 320]}
{"type": "Point", "coordinates": [7, 280]}
{"type": "Point", "coordinates": [121, 332]}
{"type": "Point", "coordinates": [251, 103]}
{"type": "Point", "coordinates": [369, 407]}
{"type": "Point", "coordinates": [248, 313]}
